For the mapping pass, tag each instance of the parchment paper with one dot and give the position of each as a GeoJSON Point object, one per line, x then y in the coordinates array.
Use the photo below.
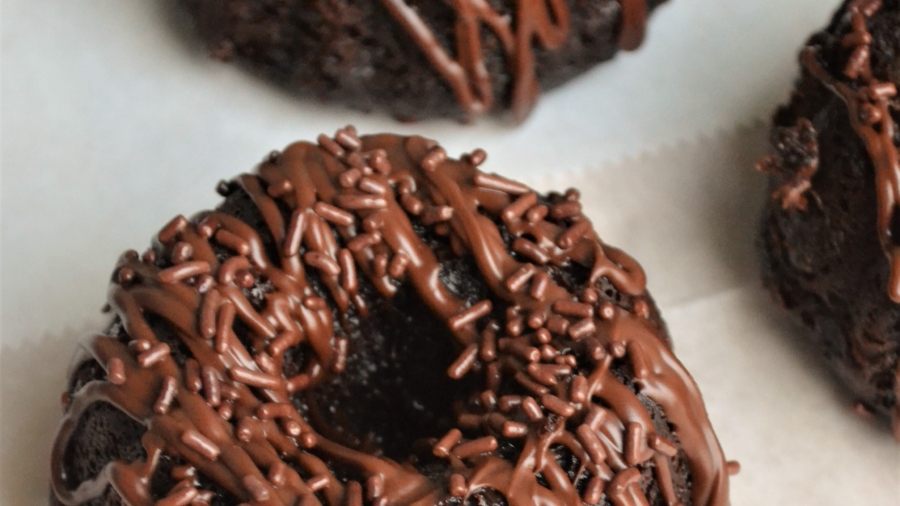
{"type": "Point", "coordinates": [113, 122]}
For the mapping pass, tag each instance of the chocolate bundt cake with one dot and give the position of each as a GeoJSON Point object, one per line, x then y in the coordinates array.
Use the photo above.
{"type": "Point", "coordinates": [417, 59]}
{"type": "Point", "coordinates": [829, 232]}
{"type": "Point", "coordinates": [367, 321]}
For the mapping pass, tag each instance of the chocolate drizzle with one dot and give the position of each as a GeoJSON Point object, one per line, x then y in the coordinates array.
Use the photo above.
{"type": "Point", "coordinates": [345, 208]}
{"type": "Point", "coordinates": [545, 22]}
{"type": "Point", "coordinates": [868, 102]}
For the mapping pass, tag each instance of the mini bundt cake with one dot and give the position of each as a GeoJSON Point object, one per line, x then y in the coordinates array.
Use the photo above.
{"type": "Point", "coordinates": [367, 321]}
{"type": "Point", "coordinates": [416, 59]}
{"type": "Point", "coordinates": [829, 232]}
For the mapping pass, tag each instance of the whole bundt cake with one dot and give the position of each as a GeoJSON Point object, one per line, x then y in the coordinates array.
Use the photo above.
{"type": "Point", "coordinates": [365, 321]}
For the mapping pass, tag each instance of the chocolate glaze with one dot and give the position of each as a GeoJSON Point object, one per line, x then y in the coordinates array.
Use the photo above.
{"type": "Point", "coordinates": [543, 21]}
{"type": "Point", "coordinates": [227, 411]}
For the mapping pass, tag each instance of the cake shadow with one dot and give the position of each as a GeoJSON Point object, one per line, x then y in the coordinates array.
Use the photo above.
{"type": "Point", "coordinates": [175, 19]}
{"type": "Point", "coordinates": [732, 221]}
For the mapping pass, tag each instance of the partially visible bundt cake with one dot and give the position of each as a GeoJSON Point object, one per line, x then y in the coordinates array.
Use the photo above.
{"type": "Point", "coordinates": [416, 59]}
{"type": "Point", "coordinates": [829, 240]}
{"type": "Point", "coordinates": [369, 322]}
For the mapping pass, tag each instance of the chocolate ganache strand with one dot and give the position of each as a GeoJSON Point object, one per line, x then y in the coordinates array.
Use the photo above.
{"type": "Point", "coordinates": [347, 210]}
{"type": "Point", "coordinates": [545, 22]}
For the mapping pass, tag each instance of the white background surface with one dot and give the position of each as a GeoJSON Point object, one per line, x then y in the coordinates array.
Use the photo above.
{"type": "Point", "coordinates": [112, 122]}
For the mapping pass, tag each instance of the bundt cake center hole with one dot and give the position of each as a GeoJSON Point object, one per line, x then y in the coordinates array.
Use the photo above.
{"type": "Point", "coordinates": [394, 392]}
